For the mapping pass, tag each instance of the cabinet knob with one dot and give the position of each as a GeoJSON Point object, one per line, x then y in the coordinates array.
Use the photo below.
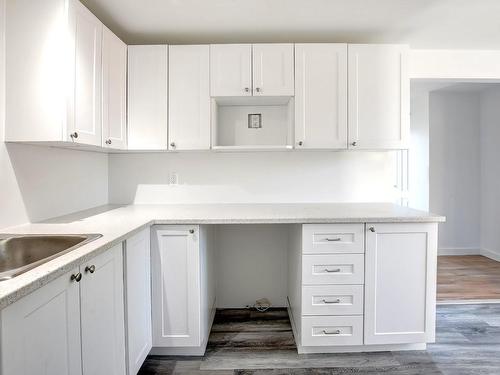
{"type": "Point", "coordinates": [108, 142]}
{"type": "Point", "coordinates": [172, 144]}
{"type": "Point", "coordinates": [74, 135]}
{"type": "Point", "coordinates": [90, 269]}
{"type": "Point", "coordinates": [246, 89]}
{"type": "Point", "coordinates": [76, 277]}
{"type": "Point", "coordinates": [191, 231]}
{"type": "Point", "coordinates": [354, 143]}
{"type": "Point", "coordinates": [300, 143]}
{"type": "Point", "coordinates": [371, 229]}
{"type": "Point", "coordinates": [258, 89]}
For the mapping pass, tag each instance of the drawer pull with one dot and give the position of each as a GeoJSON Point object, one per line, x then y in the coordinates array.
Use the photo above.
{"type": "Point", "coordinates": [337, 332]}
{"type": "Point", "coordinates": [334, 270]}
{"type": "Point", "coordinates": [336, 301]}
{"type": "Point", "coordinates": [334, 239]}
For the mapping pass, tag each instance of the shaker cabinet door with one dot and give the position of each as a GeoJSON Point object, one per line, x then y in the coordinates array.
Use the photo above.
{"type": "Point", "coordinates": [321, 96]}
{"type": "Point", "coordinates": [400, 283]}
{"type": "Point", "coordinates": [102, 314]}
{"type": "Point", "coordinates": [379, 96]}
{"type": "Point", "coordinates": [231, 70]}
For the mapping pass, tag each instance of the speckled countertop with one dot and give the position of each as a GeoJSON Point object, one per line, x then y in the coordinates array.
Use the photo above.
{"type": "Point", "coordinates": [118, 223]}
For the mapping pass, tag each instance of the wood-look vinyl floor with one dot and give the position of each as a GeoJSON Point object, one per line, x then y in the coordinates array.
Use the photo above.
{"type": "Point", "coordinates": [467, 343]}
{"type": "Point", "coordinates": [468, 277]}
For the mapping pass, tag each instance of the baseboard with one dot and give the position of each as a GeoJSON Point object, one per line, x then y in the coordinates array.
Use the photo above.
{"type": "Point", "coordinates": [458, 251]}
{"type": "Point", "coordinates": [490, 254]}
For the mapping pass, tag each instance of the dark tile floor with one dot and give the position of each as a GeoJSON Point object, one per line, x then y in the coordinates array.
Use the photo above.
{"type": "Point", "coordinates": [244, 342]}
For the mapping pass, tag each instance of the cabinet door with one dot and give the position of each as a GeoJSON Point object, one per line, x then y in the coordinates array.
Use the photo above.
{"type": "Point", "coordinates": [114, 91]}
{"type": "Point", "coordinates": [273, 70]}
{"type": "Point", "coordinates": [138, 299]}
{"type": "Point", "coordinates": [321, 96]}
{"type": "Point", "coordinates": [41, 332]}
{"type": "Point", "coordinates": [400, 283]}
{"type": "Point", "coordinates": [379, 96]}
{"type": "Point", "coordinates": [189, 98]}
{"type": "Point", "coordinates": [147, 97]}
{"type": "Point", "coordinates": [102, 314]}
{"type": "Point", "coordinates": [176, 286]}
{"type": "Point", "coordinates": [86, 126]}
{"type": "Point", "coordinates": [231, 70]}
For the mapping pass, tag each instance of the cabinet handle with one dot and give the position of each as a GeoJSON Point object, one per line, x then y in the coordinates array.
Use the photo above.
{"type": "Point", "coordinates": [300, 143]}
{"type": "Point", "coordinates": [372, 229]}
{"type": "Point", "coordinates": [76, 277]}
{"type": "Point", "coordinates": [172, 144]}
{"type": "Point", "coordinates": [108, 142]}
{"type": "Point", "coordinates": [333, 239]}
{"type": "Point", "coordinates": [90, 269]}
{"type": "Point", "coordinates": [74, 135]}
{"type": "Point", "coordinates": [331, 271]}
{"type": "Point", "coordinates": [336, 301]}
{"type": "Point", "coordinates": [246, 89]}
{"type": "Point", "coordinates": [354, 144]}
{"type": "Point", "coordinates": [337, 332]}
{"type": "Point", "coordinates": [191, 231]}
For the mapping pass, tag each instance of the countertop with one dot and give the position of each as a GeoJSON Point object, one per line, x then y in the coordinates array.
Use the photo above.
{"type": "Point", "coordinates": [118, 223]}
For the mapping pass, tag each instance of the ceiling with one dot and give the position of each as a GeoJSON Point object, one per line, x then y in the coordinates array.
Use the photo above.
{"type": "Point", "coordinates": [421, 23]}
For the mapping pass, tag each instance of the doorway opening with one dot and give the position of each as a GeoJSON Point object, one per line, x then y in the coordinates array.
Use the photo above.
{"type": "Point", "coordinates": [453, 169]}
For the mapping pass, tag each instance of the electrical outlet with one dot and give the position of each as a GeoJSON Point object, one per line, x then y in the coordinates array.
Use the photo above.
{"type": "Point", "coordinates": [173, 178]}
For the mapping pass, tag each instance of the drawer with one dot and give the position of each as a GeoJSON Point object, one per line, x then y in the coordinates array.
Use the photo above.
{"type": "Point", "coordinates": [333, 238]}
{"type": "Point", "coordinates": [333, 269]}
{"type": "Point", "coordinates": [332, 300]}
{"type": "Point", "coordinates": [332, 330]}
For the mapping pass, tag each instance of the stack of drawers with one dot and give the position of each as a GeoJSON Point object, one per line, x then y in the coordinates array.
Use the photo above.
{"type": "Point", "coordinates": [333, 263]}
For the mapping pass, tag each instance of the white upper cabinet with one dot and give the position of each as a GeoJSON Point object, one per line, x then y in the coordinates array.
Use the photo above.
{"type": "Point", "coordinates": [86, 125]}
{"type": "Point", "coordinates": [273, 68]}
{"type": "Point", "coordinates": [246, 70]}
{"type": "Point", "coordinates": [114, 91]}
{"type": "Point", "coordinates": [147, 97]}
{"type": "Point", "coordinates": [400, 283]}
{"type": "Point", "coordinates": [321, 96]}
{"type": "Point", "coordinates": [379, 95]}
{"type": "Point", "coordinates": [102, 314]}
{"type": "Point", "coordinates": [231, 70]}
{"type": "Point", "coordinates": [189, 97]}
{"type": "Point", "coordinates": [53, 72]}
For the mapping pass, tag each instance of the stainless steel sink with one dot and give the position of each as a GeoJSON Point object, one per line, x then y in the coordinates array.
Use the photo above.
{"type": "Point", "coordinates": [20, 252]}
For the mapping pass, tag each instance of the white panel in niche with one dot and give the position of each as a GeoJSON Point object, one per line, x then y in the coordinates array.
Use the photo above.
{"type": "Point", "coordinates": [233, 126]}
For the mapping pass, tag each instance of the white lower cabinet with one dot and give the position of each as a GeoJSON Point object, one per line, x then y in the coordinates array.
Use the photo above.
{"type": "Point", "coordinates": [381, 296]}
{"type": "Point", "coordinates": [400, 284]}
{"type": "Point", "coordinates": [73, 325]}
{"type": "Point", "coordinates": [138, 299]}
{"type": "Point", "coordinates": [182, 287]}
{"type": "Point", "coordinates": [102, 314]}
{"type": "Point", "coordinates": [41, 332]}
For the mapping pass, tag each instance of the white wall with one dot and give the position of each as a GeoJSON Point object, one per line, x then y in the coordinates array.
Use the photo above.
{"type": "Point", "coordinates": [37, 183]}
{"type": "Point", "coordinates": [490, 173]}
{"type": "Point", "coordinates": [454, 169]}
{"type": "Point", "coordinates": [418, 155]}
{"type": "Point", "coordinates": [252, 177]}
